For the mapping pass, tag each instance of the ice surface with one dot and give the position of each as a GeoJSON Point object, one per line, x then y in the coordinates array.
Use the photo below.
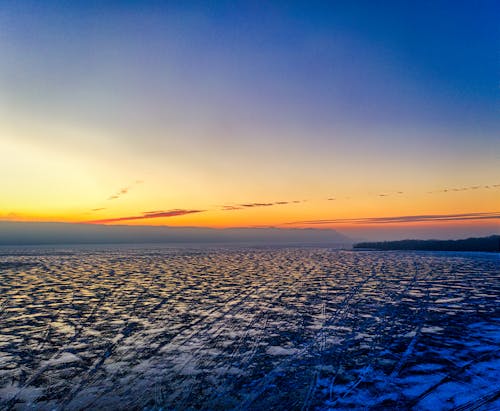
{"type": "Point", "coordinates": [254, 329]}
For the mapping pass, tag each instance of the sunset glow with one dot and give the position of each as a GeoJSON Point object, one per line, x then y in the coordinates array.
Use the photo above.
{"type": "Point", "coordinates": [204, 116]}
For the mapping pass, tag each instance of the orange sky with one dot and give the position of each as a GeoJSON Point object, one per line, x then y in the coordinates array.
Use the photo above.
{"type": "Point", "coordinates": [70, 185]}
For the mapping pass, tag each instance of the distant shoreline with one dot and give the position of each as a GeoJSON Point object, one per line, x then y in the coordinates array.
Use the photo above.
{"type": "Point", "coordinates": [482, 244]}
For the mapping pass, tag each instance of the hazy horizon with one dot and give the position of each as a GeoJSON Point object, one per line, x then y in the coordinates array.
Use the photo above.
{"type": "Point", "coordinates": [40, 233]}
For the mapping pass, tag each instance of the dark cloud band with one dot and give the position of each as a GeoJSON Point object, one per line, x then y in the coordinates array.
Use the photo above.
{"type": "Point", "coordinates": [406, 219]}
{"type": "Point", "coordinates": [254, 205]}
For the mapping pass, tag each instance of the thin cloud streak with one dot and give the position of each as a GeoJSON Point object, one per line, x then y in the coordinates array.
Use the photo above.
{"type": "Point", "coordinates": [124, 191]}
{"type": "Point", "coordinates": [405, 219]}
{"type": "Point", "coordinates": [382, 195]}
{"type": "Point", "coordinates": [387, 194]}
{"type": "Point", "coordinates": [441, 191]}
{"type": "Point", "coordinates": [146, 215]}
{"type": "Point", "coordinates": [230, 208]}
{"type": "Point", "coordinates": [468, 188]}
{"type": "Point", "coordinates": [254, 205]}
{"type": "Point", "coordinates": [120, 193]}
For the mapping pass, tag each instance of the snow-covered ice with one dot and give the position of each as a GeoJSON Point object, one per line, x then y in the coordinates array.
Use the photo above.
{"type": "Point", "coordinates": [268, 328]}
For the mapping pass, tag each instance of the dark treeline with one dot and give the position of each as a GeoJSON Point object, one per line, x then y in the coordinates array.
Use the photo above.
{"type": "Point", "coordinates": [490, 244]}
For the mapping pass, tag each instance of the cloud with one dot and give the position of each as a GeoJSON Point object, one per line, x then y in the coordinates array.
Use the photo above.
{"type": "Point", "coordinates": [467, 188]}
{"type": "Point", "coordinates": [124, 190]}
{"type": "Point", "coordinates": [387, 194]}
{"type": "Point", "coordinates": [253, 205]}
{"type": "Point", "coordinates": [230, 208]}
{"type": "Point", "coordinates": [98, 209]}
{"type": "Point", "coordinates": [406, 219]}
{"type": "Point", "coordinates": [120, 193]}
{"type": "Point", "coordinates": [146, 215]}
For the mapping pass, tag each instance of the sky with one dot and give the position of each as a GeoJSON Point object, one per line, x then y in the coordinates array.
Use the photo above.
{"type": "Point", "coordinates": [357, 116]}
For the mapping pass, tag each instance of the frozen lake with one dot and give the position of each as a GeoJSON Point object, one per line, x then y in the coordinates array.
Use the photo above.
{"type": "Point", "coordinates": [248, 329]}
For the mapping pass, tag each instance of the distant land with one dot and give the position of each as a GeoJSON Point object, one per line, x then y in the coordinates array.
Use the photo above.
{"type": "Point", "coordinates": [40, 233]}
{"type": "Point", "coordinates": [489, 244]}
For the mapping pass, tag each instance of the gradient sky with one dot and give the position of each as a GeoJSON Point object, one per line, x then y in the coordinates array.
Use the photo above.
{"type": "Point", "coordinates": [352, 115]}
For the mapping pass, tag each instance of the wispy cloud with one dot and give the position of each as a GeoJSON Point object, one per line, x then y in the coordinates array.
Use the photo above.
{"type": "Point", "coordinates": [120, 193]}
{"type": "Point", "coordinates": [124, 191]}
{"type": "Point", "coordinates": [381, 195]}
{"type": "Point", "coordinates": [465, 188]}
{"type": "Point", "coordinates": [443, 190]}
{"type": "Point", "coordinates": [230, 208]}
{"type": "Point", "coordinates": [146, 215]}
{"type": "Point", "coordinates": [405, 219]}
{"type": "Point", "coordinates": [390, 193]}
{"type": "Point", "coordinates": [98, 209]}
{"type": "Point", "coordinates": [253, 205]}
